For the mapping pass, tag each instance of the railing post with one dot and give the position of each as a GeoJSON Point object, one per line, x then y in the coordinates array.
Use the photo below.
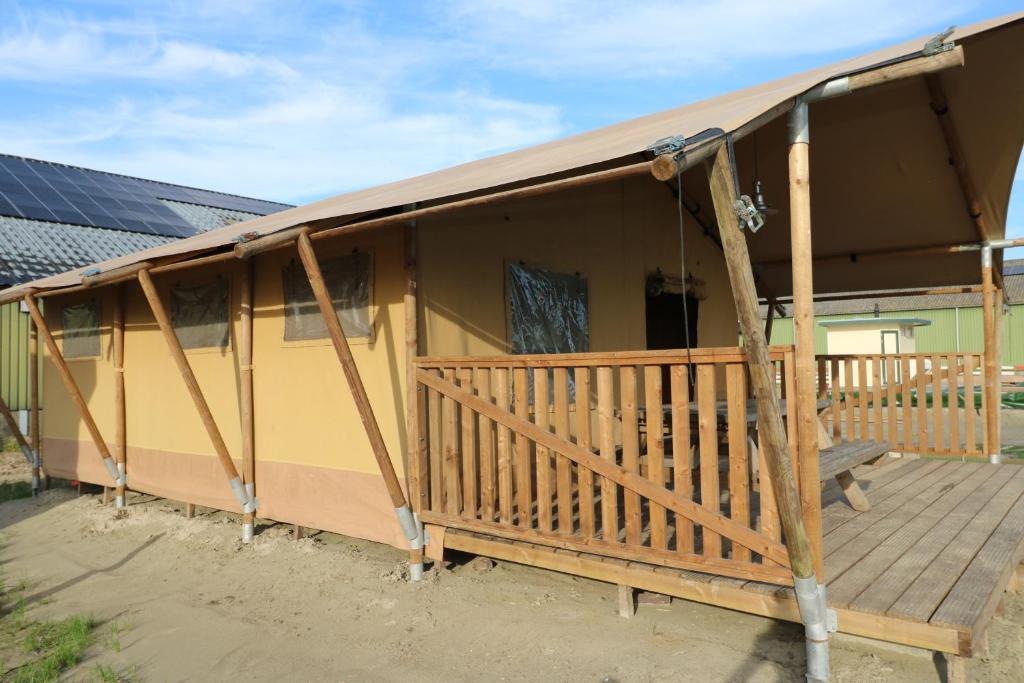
{"type": "Point", "coordinates": [992, 366]}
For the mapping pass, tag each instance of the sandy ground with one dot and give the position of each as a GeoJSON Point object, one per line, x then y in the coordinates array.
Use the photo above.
{"type": "Point", "coordinates": [13, 467]}
{"type": "Point", "coordinates": [194, 604]}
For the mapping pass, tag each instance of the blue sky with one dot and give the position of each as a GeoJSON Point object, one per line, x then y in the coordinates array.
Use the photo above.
{"type": "Point", "coordinates": [298, 101]}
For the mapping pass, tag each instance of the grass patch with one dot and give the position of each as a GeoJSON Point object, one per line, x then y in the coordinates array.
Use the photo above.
{"type": "Point", "coordinates": [41, 651]}
{"type": "Point", "coordinates": [12, 490]}
{"type": "Point", "coordinates": [56, 646]}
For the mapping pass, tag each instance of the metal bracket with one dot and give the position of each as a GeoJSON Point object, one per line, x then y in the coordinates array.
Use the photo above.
{"type": "Point", "coordinates": [669, 145]}
{"type": "Point", "coordinates": [748, 215]}
{"type": "Point", "coordinates": [938, 44]}
{"type": "Point", "coordinates": [831, 620]}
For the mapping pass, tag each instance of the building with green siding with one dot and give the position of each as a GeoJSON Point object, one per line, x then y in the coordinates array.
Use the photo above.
{"type": "Point", "coordinates": [956, 323]}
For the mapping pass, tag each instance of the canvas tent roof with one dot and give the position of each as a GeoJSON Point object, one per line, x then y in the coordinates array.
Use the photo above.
{"type": "Point", "coordinates": [994, 55]}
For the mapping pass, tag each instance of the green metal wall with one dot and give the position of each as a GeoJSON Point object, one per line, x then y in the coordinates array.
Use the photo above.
{"type": "Point", "coordinates": [14, 330]}
{"type": "Point", "coordinates": [940, 336]}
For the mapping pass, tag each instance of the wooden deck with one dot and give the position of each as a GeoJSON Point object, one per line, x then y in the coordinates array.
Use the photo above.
{"type": "Point", "coordinates": [926, 566]}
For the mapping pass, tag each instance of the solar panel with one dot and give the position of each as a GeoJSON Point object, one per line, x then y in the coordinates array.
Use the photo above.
{"type": "Point", "coordinates": [53, 192]}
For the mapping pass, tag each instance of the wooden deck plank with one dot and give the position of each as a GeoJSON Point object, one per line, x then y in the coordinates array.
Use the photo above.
{"type": "Point", "coordinates": [928, 590]}
{"type": "Point", "coordinates": [898, 532]}
{"type": "Point", "coordinates": [899, 491]}
{"type": "Point", "coordinates": [852, 541]}
{"type": "Point", "coordinates": [878, 484]}
{"type": "Point", "coordinates": [973, 597]}
{"type": "Point", "coordinates": [888, 588]}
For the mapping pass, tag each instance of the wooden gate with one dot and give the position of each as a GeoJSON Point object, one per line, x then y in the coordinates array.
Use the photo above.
{"type": "Point", "coordinates": [646, 456]}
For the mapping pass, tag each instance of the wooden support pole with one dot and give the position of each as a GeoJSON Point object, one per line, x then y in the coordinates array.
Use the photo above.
{"type": "Point", "coordinates": [181, 360]}
{"type": "Point", "coordinates": [417, 492]}
{"type": "Point", "coordinates": [992, 366]}
{"type": "Point", "coordinates": [355, 385]}
{"type": "Point", "coordinates": [245, 399]}
{"type": "Point", "coordinates": [762, 375]}
{"type": "Point", "coordinates": [120, 414]}
{"type": "Point", "coordinates": [33, 385]}
{"type": "Point", "coordinates": [69, 383]}
{"type": "Point", "coordinates": [803, 330]}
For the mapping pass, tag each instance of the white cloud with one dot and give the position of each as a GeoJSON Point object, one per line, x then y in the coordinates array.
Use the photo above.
{"type": "Point", "coordinates": [659, 38]}
{"type": "Point", "coordinates": [349, 111]}
{"type": "Point", "coordinates": [311, 141]}
{"type": "Point", "coordinates": [297, 101]}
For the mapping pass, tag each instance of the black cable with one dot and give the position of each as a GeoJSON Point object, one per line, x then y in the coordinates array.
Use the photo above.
{"type": "Point", "coordinates": [682, 258]}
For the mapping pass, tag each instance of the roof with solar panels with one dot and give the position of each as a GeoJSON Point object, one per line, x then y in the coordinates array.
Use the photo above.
{"type": "Point", "coordinates": [55, 217]}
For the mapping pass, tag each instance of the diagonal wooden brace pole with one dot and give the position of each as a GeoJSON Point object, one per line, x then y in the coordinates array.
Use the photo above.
{"type": "Point", "coordinates": [810, 594]}
{"type": "Point", "coordinates": [71, 386]}
{"type": "Point", "coordinates": [355, 384]}
{"type": "Point", "coordinates": [762, 375]}
{"type": "Point", "coordinates": [163, 321]}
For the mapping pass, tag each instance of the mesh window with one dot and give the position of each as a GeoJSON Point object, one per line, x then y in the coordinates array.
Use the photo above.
{"type": "Point", "coordinates": [199, 314]}
{"type": "Point", "coordinates": [81, 325]}
{"type": "Point", "coordinates": [548, 310]}
{"type": "Point", "coordinates": [348, 281]}
{"type": "Point", "coordinates": [549, 315]}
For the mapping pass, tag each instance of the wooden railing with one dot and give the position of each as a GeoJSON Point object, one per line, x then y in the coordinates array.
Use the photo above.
{"type": "Point", "coordinates": [646, 456]}
{"type": "Point", "coordinates": [919, 403]}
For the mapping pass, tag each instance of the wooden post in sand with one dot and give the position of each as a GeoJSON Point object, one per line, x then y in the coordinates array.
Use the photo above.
{"type": "Point", "coordinates": [33, 424]}
{"type": "Point", "coordinates": [245, 324]}
{"type": "Point", "coordinates": [120, 415]}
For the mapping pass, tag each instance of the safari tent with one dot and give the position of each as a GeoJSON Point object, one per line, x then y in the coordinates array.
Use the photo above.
{"type": "Point", "coordinates": [523, 355]}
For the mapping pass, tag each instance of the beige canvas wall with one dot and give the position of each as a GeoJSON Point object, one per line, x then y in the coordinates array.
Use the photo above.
{"type": "Point", "coordinates": [314, 465]}
{"type": "Point", "coordinates": [613, 234]}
